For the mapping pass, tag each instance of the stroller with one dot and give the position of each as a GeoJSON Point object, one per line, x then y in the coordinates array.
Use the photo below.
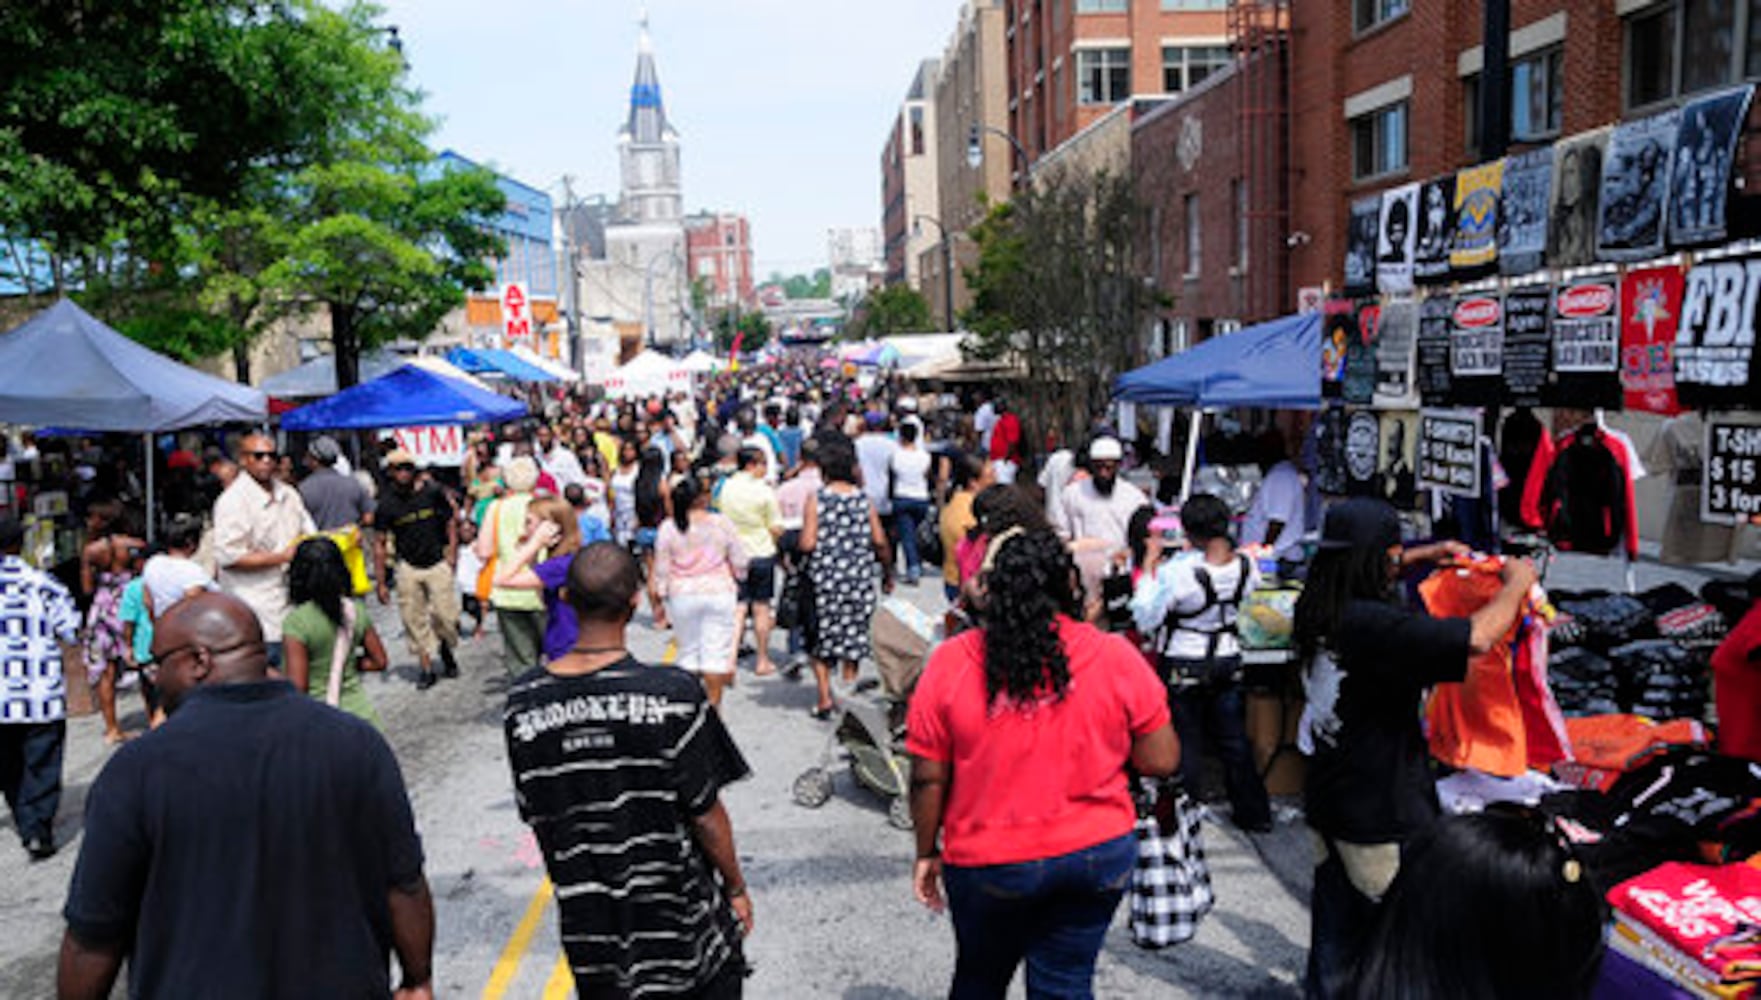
{"type": "Point", "coordinates": [874, 734]}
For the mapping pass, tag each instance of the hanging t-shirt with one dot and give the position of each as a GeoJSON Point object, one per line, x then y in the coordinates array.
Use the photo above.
{"type": "Point", "coordinates": [1650, 304]}
{"type": "Point", "coordinates": [1436, 229]}
{"type": "Point", "coordinates": [1476, 350]}
{"type": "Point", "coordinates": [1338, 330]}
{"type": "Point", "coordinates": [1397, 240]}
{"type": "Point", "coordinates": [1586, 497]}
{"type": "Point", "coordinates": [1522, 217]}
{"type": "Point", "coordinates": [1736, 684]}
{"type": "Point", "coordinates": [1359, 386]}
{"type": "Point", "coordinates": [1431, 350]}
{"type": "Point", "coordinates": [1477, 190]}
{"type": "Point", "coordinates": [1715, 334]}
{"type": "Point", "coordinates": [1577, 187]}
{"type": "Point", "coordinates": [1396, 354]}
{"type": "Point", "coordinates": [1399, 465]}
{"type": "Point", "coordinates": [1635, 186]}
{"type": "Point", "coordinates": [1585, 330]}
{"type": "Point", "coordinates": [1700, 185]}
{"type": "Point", "coordinates": [1528, 345]}
{"type": "Point", "coordinates": [1522, 444]}
{"type": "Point", "coordinates": [1676, 452]}
{"type": "Point", "coordinates": [1360, 246]}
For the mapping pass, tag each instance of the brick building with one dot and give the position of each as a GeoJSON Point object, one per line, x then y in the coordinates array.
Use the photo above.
{"type": "Point", "coordinates": [1213, 168]}
{"type": "Point", "coordinates": [718, 251]}
{"type": "Point", "coordinates": [1384, 91]}
{"type": "Point", "coordinates": [972, 92]}
{"type": "Point", "coordinates": [1070, 61]}
{"type": "Point", "coordinates": [908, 178]}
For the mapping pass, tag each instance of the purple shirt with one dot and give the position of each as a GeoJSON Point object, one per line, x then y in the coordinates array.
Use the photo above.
{"type": "Point", "coordinates": [560, 629]}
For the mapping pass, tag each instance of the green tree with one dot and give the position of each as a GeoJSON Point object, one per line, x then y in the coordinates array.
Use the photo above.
{"type": "Point", "coordinates": [1061, 287]}
{"type": "Point", "coordinates": [753, 325]}
{"type": "Point", "coordinates": [893, 309]}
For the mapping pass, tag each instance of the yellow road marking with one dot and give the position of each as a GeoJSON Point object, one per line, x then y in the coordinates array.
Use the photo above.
{"type": "Point", "coordinates": [509, 963]}
{"type": "Point", "coordinates": [562, 980]}
{"type": "Point", "coordinates": [671, 654]}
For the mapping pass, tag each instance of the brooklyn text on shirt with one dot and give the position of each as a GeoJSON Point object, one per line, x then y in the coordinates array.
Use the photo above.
{"type": "Point", "coordinates": [631, 707]}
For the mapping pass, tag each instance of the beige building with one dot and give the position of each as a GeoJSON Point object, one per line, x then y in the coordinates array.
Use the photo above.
{"type": "Point", "coordinates": [908, 179]}
{"type": "Point", "coordinates": [971, 95]}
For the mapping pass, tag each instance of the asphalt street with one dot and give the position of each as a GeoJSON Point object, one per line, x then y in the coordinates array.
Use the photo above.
{"type": "Point", "coordinates": [831, 888]}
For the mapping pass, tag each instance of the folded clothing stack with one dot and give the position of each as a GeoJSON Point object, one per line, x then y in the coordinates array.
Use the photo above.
{"type": "Point", "coordinates": [1583, 682]}
{"type": "Point", "coordinates": [1660, 680]}
{"type": "Point", "coordinates": [1699, 925]}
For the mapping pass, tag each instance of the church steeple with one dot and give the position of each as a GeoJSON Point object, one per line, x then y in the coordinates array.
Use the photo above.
{"type": "Point", "coordinates": [647, 122]}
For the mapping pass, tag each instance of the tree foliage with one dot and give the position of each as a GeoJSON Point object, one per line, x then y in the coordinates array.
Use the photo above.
{"type": "Point", "coordinates": [817, 285]}
{"type": "Point", "coordinates": [754, 326]}
{"type": "Point", "coordinates": [1062, 287]}
{"type": "Point", "coordinates": [892, 309]}
{"type": "Point", "coordinates": [199, 169]}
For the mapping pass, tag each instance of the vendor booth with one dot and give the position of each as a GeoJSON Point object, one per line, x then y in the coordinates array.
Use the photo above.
{"type": "Point", "coordinates": [650, 373]}
{"type": "Point", "coordinates": [497, 363]}
{"type": "Point", "coordinates": [409, 396]}
{"type": "Point", "coordinates": [550, 365]}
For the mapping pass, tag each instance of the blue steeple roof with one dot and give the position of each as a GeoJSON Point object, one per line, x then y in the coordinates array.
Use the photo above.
{"type": "Point", "coordinates": [647, 111]}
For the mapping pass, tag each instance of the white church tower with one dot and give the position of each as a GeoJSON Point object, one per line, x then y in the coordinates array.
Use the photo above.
{"type": "Point", "coordinates": [641, 285]}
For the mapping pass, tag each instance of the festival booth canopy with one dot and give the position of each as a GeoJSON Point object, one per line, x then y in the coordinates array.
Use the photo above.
{"type": "Point", "coordinates": [915, 349]}
{"type": "Point", "coordinates": [702, 362]}
{"type": "Point", "coordinates": [64, 367]}
{"type": "Point", "coordinates": [1275, 365]}
{"type": "Point", "coordinates": [407, 397]}
{"type": "Point", "coordinates": [544, 364]}
{"type": "Point", "coordinates": [647, 374]}
{"type": "Point", "coordinates": [317, 377]}
{"type": "Point", "coordinates": [494, 361]}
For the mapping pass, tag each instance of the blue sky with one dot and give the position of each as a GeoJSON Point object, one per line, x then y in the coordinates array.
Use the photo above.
{"type": "Point", "coordinates": [783, 105]}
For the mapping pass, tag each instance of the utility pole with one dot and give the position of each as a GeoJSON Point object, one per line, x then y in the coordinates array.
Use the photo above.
{"type": "Point", "coordinates": [572, 258]}
{"type": "Point", "coordinates": [1495, 81]}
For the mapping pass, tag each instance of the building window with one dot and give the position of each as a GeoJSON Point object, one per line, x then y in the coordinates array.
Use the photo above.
{"type": "Point", "coordinates": [1194, 243]}
{"type": "Point", "coordinates": [1102, 6]}
{"type": "Point", "coordinates": [916, 131]}
{"type": "Point", "coordinates": [1185, 66]}
{"type": "Point", "coordinates": [1537, 91]}
{"type": "Point", "coordinates": [1366, 14]}
{"type": "Point", "coordinates": [1103, 76]}
{"type": "Point", "coordinates": [1378, 142]}
{"type": "Point", "coordinates": [1683, 47]}
{"type": "Point", "coordinates": [1238, 196]}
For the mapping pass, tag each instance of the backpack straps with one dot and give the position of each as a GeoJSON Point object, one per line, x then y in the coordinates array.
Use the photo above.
{"type": "Point", "coordinates": [1229, 607]}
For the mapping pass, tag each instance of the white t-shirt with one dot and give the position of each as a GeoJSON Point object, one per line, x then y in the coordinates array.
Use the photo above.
{"type": "Point", "coordinates": [1175, 587]}
{"type": "Point", "coordinates": [911, 473]}
{"type": "Point", "coordinates": [1280, 499]}
{"type": "Point", "coordinates": [984, 421]}
{"type": "Point", "coordinates": [874, 452]}
{"type": "Point", "coordinates": [168, 579]}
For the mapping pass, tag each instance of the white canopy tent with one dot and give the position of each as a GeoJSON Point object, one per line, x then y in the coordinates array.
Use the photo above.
{"type": "Point", "coordinates": [702, 363]}
{"type": "Point", "coordinates": [647, 374]}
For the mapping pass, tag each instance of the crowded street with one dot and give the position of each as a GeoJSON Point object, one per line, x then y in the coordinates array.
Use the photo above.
{"type": "Point", "coordinates": [1265, 503]}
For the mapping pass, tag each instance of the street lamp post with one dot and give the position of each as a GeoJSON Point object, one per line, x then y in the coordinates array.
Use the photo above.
{"type": "Point", "coordinates": [975, 146]}
{"type": "Point", "coordinates": [947, 267]}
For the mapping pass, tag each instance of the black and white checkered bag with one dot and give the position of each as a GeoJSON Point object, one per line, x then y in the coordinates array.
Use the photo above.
{"type": "Point", "coordinates": [1171, 886]}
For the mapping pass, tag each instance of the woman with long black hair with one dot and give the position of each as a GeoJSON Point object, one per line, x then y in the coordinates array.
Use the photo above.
{"type": "Point", "coordinates": [322, 594]}
{"type": "Point", "coordinates": [1020, 732]}
{"type": "Point", "coordinates": [698, 563]}
{"type": "Point", "coordinates": [1367, 660]}
{"type": "Point", "coordinates": [651, 510]}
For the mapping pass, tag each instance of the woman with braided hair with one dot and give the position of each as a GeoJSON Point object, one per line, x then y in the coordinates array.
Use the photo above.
{"type": "Point", "coordinates": [1020, 732]}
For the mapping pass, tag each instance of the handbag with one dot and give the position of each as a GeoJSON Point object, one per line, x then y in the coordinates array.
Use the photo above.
{"type": "Point", "coordinates": [1116, 590]}
{"type": "Point", "coordinates": [1171, 885]}
{"type": "Point", "coordinates": [929, 539]}
{"type": "Point", "coordinates": [486, 575]}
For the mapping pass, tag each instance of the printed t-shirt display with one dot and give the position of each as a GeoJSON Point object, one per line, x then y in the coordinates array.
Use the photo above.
{"type": "Point", "coordinates": [1074, 794]}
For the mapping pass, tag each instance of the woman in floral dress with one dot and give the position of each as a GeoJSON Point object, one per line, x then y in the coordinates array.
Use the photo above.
{"type": "Point", "coordinates": [847, 556]}
{"type": "Point", "coordinates": [107, 564]}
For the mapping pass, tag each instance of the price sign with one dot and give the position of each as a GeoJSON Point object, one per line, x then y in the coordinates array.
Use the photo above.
{"type": "Point", "coordinates": [1731, 484]}
{"type": "Point", "coordinates": [1449, 451]}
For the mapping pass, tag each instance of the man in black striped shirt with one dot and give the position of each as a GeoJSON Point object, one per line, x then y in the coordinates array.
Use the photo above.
{"type": "Point", "coordinates": [618, 767]}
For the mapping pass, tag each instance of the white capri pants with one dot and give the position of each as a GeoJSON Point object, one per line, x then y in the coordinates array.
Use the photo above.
{"type": "Point", "coordinates": [703, 627]}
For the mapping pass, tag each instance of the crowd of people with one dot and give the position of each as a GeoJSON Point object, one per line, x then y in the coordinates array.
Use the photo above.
{"type": "Point", "coordinates": [1086, 648]}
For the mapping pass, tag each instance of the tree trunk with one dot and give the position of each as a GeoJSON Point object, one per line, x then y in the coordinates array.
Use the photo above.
{"type": "Point", "coordinates": [347, 347]}
{"type": "Point", "coordinates": [241, 363]}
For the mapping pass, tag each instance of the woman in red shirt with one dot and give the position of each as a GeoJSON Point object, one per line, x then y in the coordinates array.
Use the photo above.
{"type": "Point", "coordinates": [1020, 732]}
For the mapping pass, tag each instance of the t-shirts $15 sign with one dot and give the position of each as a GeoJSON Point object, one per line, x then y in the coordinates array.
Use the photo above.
{"type": "Point", "coordinates": [1732, 473]}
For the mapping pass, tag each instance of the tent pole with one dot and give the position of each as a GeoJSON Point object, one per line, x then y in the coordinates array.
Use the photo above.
{"type": "Point", "coordinates": [152, 525]}
{"type": "Point", "coordinates": [1196, 424]}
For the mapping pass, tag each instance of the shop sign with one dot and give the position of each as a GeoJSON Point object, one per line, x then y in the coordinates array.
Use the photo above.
{"type": "Point", "coordinates": [1449, 451]}
{"type": "Point", "coordinates": [442, 447]}
{"type": "Point", "coordinates": [516, 314]}
{"type": "Point", "coordinates": [1731, 482]}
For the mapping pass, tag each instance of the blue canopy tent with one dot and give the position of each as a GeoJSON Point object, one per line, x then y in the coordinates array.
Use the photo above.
{"type": "Point", "coordinates": [410, 396]}
{"type": "Point", "coordinates": [492, 361]}
{"type": "Point", "coordinates": [1274, 365]}
{"type": "Point", "coordinates": [64, 367]}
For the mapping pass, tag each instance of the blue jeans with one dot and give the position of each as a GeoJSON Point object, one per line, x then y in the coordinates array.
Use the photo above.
{"type": "Point", "coordinates": [909, 514]}
{"type": "Point", "coordinates": [1054, 913]}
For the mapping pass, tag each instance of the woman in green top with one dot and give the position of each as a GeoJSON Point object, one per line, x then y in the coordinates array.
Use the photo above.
{"type": "Point", "coordinates": [318, 583]}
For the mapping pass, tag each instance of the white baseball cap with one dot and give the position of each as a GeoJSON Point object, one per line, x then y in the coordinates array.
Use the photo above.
{"type": "Point", "coordinates": [1106, 449]}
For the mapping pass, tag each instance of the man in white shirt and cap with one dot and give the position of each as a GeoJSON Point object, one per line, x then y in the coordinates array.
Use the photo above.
{"type": "Point", "coordinates": [1099, 508]}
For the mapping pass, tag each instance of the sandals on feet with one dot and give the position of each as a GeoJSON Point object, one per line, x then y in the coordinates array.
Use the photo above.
{"type": "Point", "coordinates": [822, 712]}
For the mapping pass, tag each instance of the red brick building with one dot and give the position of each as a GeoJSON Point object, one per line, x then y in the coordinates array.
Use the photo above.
{"type": "Point", "coordinates": [1071, 61]}
{"type": "Point", "coordinates": [719, 251]}
{"type": "Point", "coordinates": [1384, 91]}
{"type": "Point", "coordinates": [1213, 167]}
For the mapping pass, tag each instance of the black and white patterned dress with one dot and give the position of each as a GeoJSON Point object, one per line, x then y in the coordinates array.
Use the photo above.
{"type": "Point", "coordinates": [845, 575]}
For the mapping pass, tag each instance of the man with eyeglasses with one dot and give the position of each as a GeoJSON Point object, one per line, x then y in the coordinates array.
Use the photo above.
{"type": "Point", "coordinates": [260, 843]}
{"type": "Point", "coordinates": [257, 523]}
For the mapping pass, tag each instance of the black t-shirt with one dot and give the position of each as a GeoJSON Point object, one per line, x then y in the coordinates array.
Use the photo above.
{"type": "Point", "coordinates": [610, 768]}
{"type": "Point", "coordinates": [417, 523]}
{"type": "Point", "coordinates": [246, 849]}
{"type": "Point", "coordinates": [1370, 780]}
